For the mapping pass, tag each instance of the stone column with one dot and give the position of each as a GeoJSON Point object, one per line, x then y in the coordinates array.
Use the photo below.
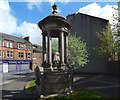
{"type": "Point", "coordinates": [62, 48]}
{"type": "Point", "coordinates": [49, 52]}
{"type": "Point", "coordinates": [66, 48]}
{"type": "Point", "coordinates": [44, 48]}
{"type": "Point", "coordinates": [59, 46]}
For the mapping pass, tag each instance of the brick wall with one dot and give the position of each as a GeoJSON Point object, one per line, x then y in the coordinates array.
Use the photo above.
{"type": "Point", "coordinates": [37, 60]}
{"type": "Point", "coordinates": [16, 51]}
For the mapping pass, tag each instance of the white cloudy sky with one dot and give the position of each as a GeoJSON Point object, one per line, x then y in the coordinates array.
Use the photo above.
{"type": "Point", "coordinates": [12, 22]}
{"type": "Point", "coordinates": [94, 9]}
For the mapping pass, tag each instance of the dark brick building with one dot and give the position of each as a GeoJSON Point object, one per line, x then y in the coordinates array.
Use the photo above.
{"type": "Point", "coordinates": [87, 27]}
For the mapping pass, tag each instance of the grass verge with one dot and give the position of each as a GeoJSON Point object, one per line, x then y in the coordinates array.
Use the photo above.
{"type": "Point", "coordinates": [81, 94]}
{"type": "Point", "coordinates": [30, 87]}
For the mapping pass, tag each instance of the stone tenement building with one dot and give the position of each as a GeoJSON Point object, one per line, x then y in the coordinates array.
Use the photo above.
{"type": "Point", "coordinates": [87, 27]}
{"type": "Point", "coordinates": [15, 48]}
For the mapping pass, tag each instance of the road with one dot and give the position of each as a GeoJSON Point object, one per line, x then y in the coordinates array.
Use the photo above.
{"type": "Point", "coordinates": [14, 83]}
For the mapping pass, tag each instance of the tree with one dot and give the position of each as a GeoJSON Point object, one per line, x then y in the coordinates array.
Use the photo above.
{"type": "Point", "coordinates": [77, 51]}
{"type": "Point", "coordinates": [116, 28]}
{"type": "Point", "coordinates": [54, 45]}
{"type": "Point", "coordinates": [108, 46]}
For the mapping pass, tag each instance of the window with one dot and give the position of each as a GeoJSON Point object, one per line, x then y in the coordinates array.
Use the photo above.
{"type": "Point", "coordinates": [0, 42]}
{"type": "Point", "coordinates": [21, 55]}
{"type": "Point", "coordinates": [1, 53]}
{"type": "Point", "coordinates": [28, 55]}
{"type": "Point", "coordinates": [10, 54]}
{"type": "Point", "coordinates": [28, 47]}
{"type": "Point", "coordinates": [3, 43]}
{"type": "Point", "coordinates": [9, 44]}
{"type": "Point", "coordinates": [20, 46]}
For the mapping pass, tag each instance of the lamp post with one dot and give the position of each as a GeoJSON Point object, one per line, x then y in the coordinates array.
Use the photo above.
{"type": "Point", "coordinates": [55, 78]}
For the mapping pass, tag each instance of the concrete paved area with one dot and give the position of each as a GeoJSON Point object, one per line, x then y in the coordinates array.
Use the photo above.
{"type": "Point", "coordinates": [107, 85]}
{"type": "Point", "coordinates": [14, 90]}
{"type": "Point", "coordinates": [13, 85]}
{"type": "Point", "coordinates": [11, 76]}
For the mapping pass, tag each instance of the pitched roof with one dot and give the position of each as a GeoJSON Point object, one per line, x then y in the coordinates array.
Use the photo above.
{"type": "Point", "coordinates": [13, 38]}
{"type": "Point", "coordinates": [37, 48]}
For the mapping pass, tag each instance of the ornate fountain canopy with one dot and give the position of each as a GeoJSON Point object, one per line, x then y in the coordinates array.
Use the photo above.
{"type": "Point", "coordinates": [54, 22]}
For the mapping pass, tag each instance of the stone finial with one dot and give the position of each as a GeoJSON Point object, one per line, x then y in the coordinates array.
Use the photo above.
{"type": "Point", "coordinates": [54, 9]}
